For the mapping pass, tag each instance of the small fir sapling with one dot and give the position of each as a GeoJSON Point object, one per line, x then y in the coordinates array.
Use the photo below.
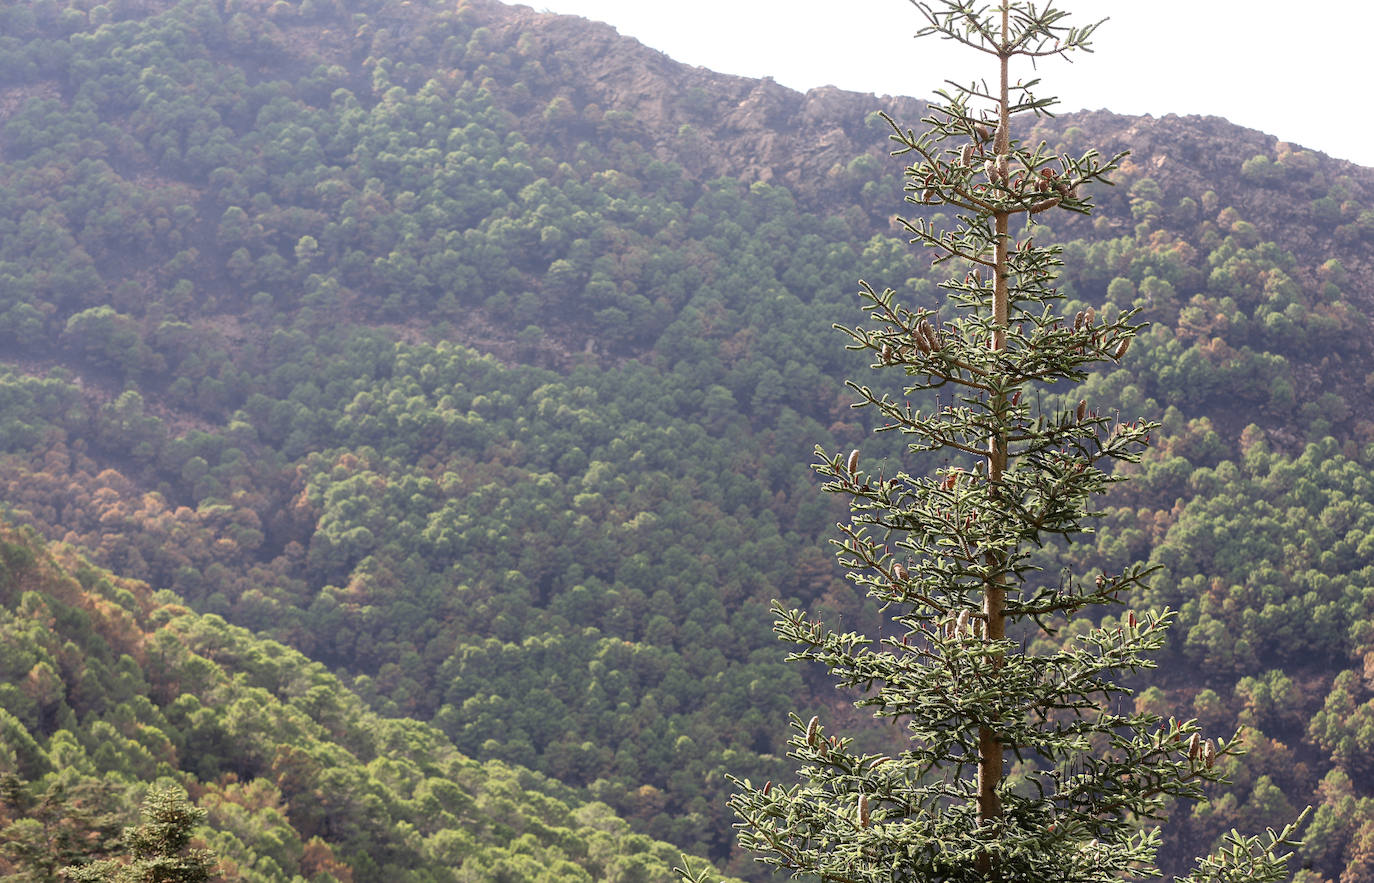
{"type": "Point", "coordinates": [952, 556]}
{"type": "Point", "coordinates": [159, 849]}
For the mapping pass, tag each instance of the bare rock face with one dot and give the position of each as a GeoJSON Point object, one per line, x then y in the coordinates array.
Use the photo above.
{"type": "Point", "coordinates": [828, 106]}
{"type": "Point", "coordinates": [767, 106]}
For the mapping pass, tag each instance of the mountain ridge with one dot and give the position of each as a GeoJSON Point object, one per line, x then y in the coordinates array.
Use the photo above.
{"type": "Point", "coordinates": [825, 128]}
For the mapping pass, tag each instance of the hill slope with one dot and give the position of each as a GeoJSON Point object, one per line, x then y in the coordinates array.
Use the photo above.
{"type": "Point", "coordinates": [108, 687]}
{"type": "Point", "coordinates": [478, 355]}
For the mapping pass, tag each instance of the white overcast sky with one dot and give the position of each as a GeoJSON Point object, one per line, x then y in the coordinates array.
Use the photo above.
{"type": "Point", "coordinates": [1302, 71]}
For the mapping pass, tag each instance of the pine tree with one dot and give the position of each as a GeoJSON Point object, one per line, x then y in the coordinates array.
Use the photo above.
{"type": "Point", "coordinates": [1026, 761]}
{"type": "Point", "coordinates": [64, 820]}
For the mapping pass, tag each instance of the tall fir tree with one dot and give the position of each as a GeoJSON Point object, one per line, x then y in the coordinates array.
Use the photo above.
{"type": "Point", "coordinates": [1026, 761]}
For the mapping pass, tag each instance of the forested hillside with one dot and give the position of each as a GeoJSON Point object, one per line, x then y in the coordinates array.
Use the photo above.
{"type": "Point", "coordinates": [478, 355]}
{"type": "Point", "coordinates": [109, 686]}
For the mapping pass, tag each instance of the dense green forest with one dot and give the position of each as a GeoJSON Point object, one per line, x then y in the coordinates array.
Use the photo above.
{"type": "Point", "coordinates": [405, 337]}
{"type": "Point", "coordinates": [110, 687]}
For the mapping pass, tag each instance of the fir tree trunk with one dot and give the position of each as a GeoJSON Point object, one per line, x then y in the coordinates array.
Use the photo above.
{"type": "Point", "coordinates": [994, 600]}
